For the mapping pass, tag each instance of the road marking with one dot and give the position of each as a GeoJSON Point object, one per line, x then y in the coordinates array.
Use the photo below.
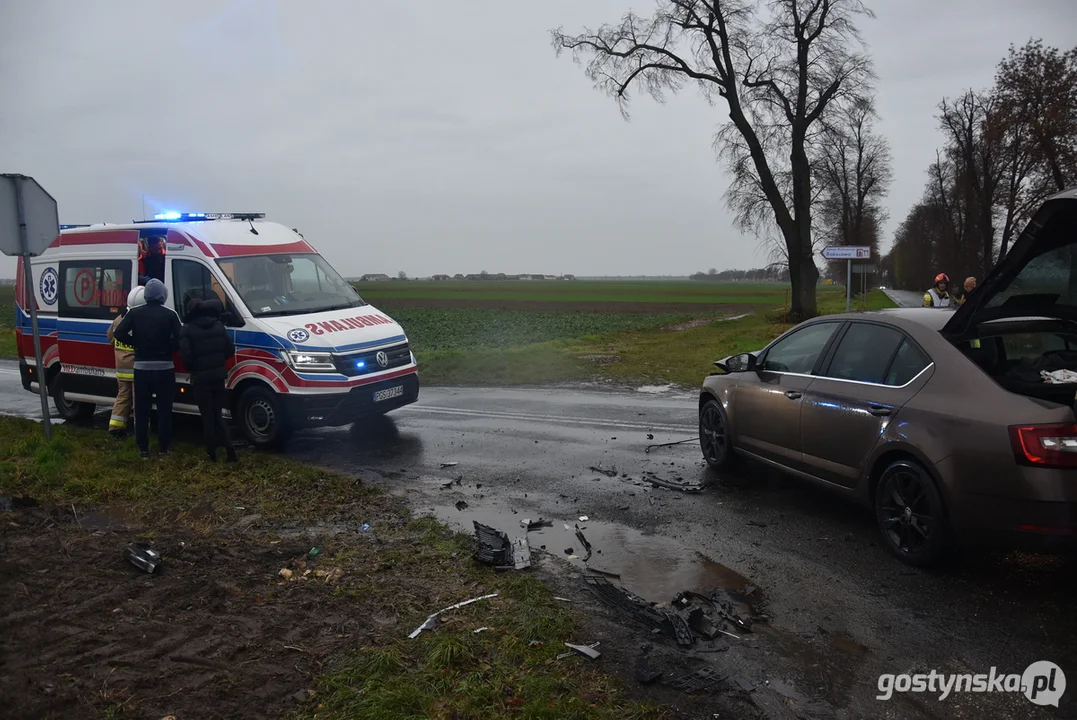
{"type": "Point", "coordinates": [551, 419]}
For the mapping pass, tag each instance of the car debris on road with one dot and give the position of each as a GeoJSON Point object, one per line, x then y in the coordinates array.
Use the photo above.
{"type": "Point", "coordinates": [529, 524]}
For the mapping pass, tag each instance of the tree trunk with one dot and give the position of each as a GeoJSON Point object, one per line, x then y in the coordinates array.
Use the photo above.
{"type": "Point", "coordinates": [805, 275]}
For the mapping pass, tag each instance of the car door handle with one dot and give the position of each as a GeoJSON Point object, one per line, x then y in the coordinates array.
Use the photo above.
{"type": "Point", "coordinates": [793, 395]}
{"type": "Point", "coordinates": [880, 410]}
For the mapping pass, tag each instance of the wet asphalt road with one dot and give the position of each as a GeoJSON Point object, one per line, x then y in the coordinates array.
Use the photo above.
{"type": "Point", "coordinates": [905, 298]}
{"type": "Point", "coordinates": [844, 611]}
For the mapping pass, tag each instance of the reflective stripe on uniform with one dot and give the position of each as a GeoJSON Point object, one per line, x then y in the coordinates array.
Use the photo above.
{"type": "Point", "coordinates": [120, 346]}
{"type": "Point", "coordinates": [125, 375]}
{"type": "Point", "coordinates": [117, 421]}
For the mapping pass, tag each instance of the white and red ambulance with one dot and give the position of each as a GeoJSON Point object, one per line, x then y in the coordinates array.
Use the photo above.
{"type": "Point", "coordinates": [309, 351]}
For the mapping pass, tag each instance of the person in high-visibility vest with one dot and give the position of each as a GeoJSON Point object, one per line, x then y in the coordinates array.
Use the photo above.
{"type": "Point", "coordinates": [938, 296]}
{"type": "Point", "coordinates": [125, 369]}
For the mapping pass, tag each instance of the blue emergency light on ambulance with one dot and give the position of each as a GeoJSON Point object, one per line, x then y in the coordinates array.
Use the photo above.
{"type": "Point", "coordinates": [310, 351]}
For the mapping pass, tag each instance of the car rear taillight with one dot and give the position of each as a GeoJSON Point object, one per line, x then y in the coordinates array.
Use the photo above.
{"type": "Point", "coordinates": [1045, 445]}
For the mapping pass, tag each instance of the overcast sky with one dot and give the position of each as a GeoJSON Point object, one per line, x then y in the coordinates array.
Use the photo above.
{"type": "Point", "coordinates": [428, 136]}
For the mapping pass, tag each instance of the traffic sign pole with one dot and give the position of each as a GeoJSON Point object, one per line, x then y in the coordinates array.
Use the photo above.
{"type": "Point", "coordinates": [848, 285]}
{"type": "Point", "coordinates": [28, 282]}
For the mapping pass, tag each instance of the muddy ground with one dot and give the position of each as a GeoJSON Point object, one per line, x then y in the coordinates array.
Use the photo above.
{"type": "Point", "coordinates": [215, 633]}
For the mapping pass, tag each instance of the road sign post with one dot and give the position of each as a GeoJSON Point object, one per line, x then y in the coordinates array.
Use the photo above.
{"type": "Point", "coordinates": [847, 253]}
{"type": "Point", "coordinates": [28, 225]}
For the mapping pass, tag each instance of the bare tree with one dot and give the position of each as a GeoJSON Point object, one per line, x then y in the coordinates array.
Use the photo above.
{"type": "Point", "coordinates": [1037, 87]}
{"type": "Point", "coordinates": [853, 173]}
{"type": "Point", "coordinates": [777, 66]}
{"type": "Point", "coordinates": [974, 145]}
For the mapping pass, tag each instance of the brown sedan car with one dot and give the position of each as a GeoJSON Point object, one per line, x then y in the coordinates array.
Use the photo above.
{"type": "Point", "coordinates": [955, 426]}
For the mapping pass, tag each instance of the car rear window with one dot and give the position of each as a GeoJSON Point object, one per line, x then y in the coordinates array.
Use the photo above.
{"type": "Point", "coordinates": [908, 363]}
{"type": "Point", "coordinates": [864, 354]}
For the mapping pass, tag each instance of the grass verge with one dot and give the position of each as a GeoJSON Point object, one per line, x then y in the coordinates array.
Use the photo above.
{"type": "Point", "coordinates": [390, 577]}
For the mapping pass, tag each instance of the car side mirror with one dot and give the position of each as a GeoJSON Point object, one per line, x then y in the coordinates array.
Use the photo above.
{"type": "Point", "coordinates": [745, 362]}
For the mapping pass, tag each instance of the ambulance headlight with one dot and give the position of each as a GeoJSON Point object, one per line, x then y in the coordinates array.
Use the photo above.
{"type": "Point", "coordinates": [311, 361]}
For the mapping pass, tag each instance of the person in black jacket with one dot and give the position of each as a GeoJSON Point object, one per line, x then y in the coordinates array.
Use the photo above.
{"type": "Point", "coordinates": [205, 347]}
{"type": "Point", "coordinates": [154, 331]}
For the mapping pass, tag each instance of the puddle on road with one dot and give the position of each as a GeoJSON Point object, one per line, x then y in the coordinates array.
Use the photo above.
{"type": "Point", "coordinates": [651, 566]}
{"type": "Point", "coordinates": [654, 389]}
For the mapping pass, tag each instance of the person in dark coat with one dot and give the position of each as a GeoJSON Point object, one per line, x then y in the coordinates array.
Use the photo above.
{"type": "Point", "coordinates": [205, 347]}
{"type": "Point", "coordinates": [153, 330]}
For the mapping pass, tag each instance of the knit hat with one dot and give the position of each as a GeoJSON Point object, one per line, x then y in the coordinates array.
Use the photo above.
{"type": "Point", "coordinates": [136, 297]}
{"type": "Point", "coordinates": [156, 292]}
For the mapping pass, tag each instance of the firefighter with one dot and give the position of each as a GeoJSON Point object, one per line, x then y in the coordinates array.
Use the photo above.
{"type": "Point", "coordinates": [938, 296]}
{"type": "Point", "coordinates": [125, 370]}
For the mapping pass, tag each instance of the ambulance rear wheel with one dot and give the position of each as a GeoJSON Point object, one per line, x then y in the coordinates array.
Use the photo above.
{"type": "Point", "coordinates": [69, 410]}
{"type": "Point", "coordinates": [260, 416]}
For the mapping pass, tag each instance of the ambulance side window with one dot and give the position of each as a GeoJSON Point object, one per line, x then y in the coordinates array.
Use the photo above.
{"type": "Point", "coordinates": [193, 280]}
{"type": "Point", "coordinates": [94, 289]}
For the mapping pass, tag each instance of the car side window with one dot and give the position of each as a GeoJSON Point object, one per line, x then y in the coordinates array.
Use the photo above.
{"type": "Point", "coordinates": [908, 363]}
{"type": "Point", "coordinates": [864, 353]}
{"type": "Point", "coordinates": [798, 352]}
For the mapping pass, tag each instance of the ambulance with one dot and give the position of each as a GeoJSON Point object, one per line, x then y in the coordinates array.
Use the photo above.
{"type": "Point", "coordinates": [310, 352]}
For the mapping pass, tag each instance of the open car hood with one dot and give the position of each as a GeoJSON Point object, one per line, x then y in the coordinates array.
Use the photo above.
{"type": "Point", "coordinates": [1038, 276]}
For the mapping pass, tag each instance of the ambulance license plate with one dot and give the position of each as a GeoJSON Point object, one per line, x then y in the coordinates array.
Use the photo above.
{"type": "Point", "coordinates": [389, 393]}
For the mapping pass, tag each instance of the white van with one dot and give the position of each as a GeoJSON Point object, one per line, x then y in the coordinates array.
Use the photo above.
{"type": "Point", "coordinates": [309, 351]}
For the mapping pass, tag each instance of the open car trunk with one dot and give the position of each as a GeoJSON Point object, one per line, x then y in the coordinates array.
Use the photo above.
{"type": "Point", "coordinates": [1037, 358]}
{"type": "Point", "coordinates": [1020, 324]}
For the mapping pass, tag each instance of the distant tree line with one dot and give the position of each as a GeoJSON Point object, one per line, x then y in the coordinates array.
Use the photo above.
{"type": "Point", "coordinates": [1006, 150]}
{"type": "Point", "coordinates": [773, 273]}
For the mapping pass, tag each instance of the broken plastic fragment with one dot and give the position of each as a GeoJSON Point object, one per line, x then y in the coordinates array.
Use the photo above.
{"type": "Point", "coordinates": [449, 464]}
{"type": "Point", "coordinates": [479, 630]}
{"type": "Point", "coordinates": [461, 505]}
{"type": "Point", "coordinates": [588, 651]}
{"type": "Point", "coordinates": [143, 557]}
{"type": "Point", "coordinates": [584, 518]}
{"type": "Point", "coordinates": [364, 527]}
{"type": "Point", "coordinates": [431, 620]}
{"type": "Point", "coordinates": [496, 549]}
{"type": "Point", "coordinates": [313, 551]}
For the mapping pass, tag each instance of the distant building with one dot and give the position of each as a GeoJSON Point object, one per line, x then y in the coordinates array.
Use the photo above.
{"type": "Point", "coordinates": [442, 277]}
{"type": "Point", "coordinates": [570, 277]}
{"type": "Point", "coordinates": [538, 277]}
{"type": "Point", "coordinates": [458, 276]}
{"type": "Point", "coordinates": [374, 277]}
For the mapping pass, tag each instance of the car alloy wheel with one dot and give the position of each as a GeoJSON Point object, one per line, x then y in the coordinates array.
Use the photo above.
{"type": "Point", "coordinates": [713, 437]}
{"type": "Point", "coordinates": [909, 513]}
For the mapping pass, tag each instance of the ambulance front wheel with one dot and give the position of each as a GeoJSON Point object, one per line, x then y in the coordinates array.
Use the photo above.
{"type": "Point", "coordinates": [260, 416]}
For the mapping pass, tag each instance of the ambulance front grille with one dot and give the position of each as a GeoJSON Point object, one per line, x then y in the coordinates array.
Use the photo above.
{"type": "Point", "coordinates": [366, 362]}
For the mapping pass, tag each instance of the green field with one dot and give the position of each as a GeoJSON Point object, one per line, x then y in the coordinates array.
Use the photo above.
{"type": "Point", "coordinates": [7, 321]}
{"type": "Point", "coordinates": [579, 291]}
{"type": "Point", "coordinates": [540, 332]}
{"type": "Point", "coordinates": [630, 333]}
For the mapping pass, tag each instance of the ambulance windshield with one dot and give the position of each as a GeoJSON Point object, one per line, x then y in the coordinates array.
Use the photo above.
{"type": "Point", "coordinates": [288, 284]}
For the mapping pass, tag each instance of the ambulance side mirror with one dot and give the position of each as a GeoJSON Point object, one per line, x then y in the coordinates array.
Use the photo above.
{"type": "Point", "coordinates": [231, 319]}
